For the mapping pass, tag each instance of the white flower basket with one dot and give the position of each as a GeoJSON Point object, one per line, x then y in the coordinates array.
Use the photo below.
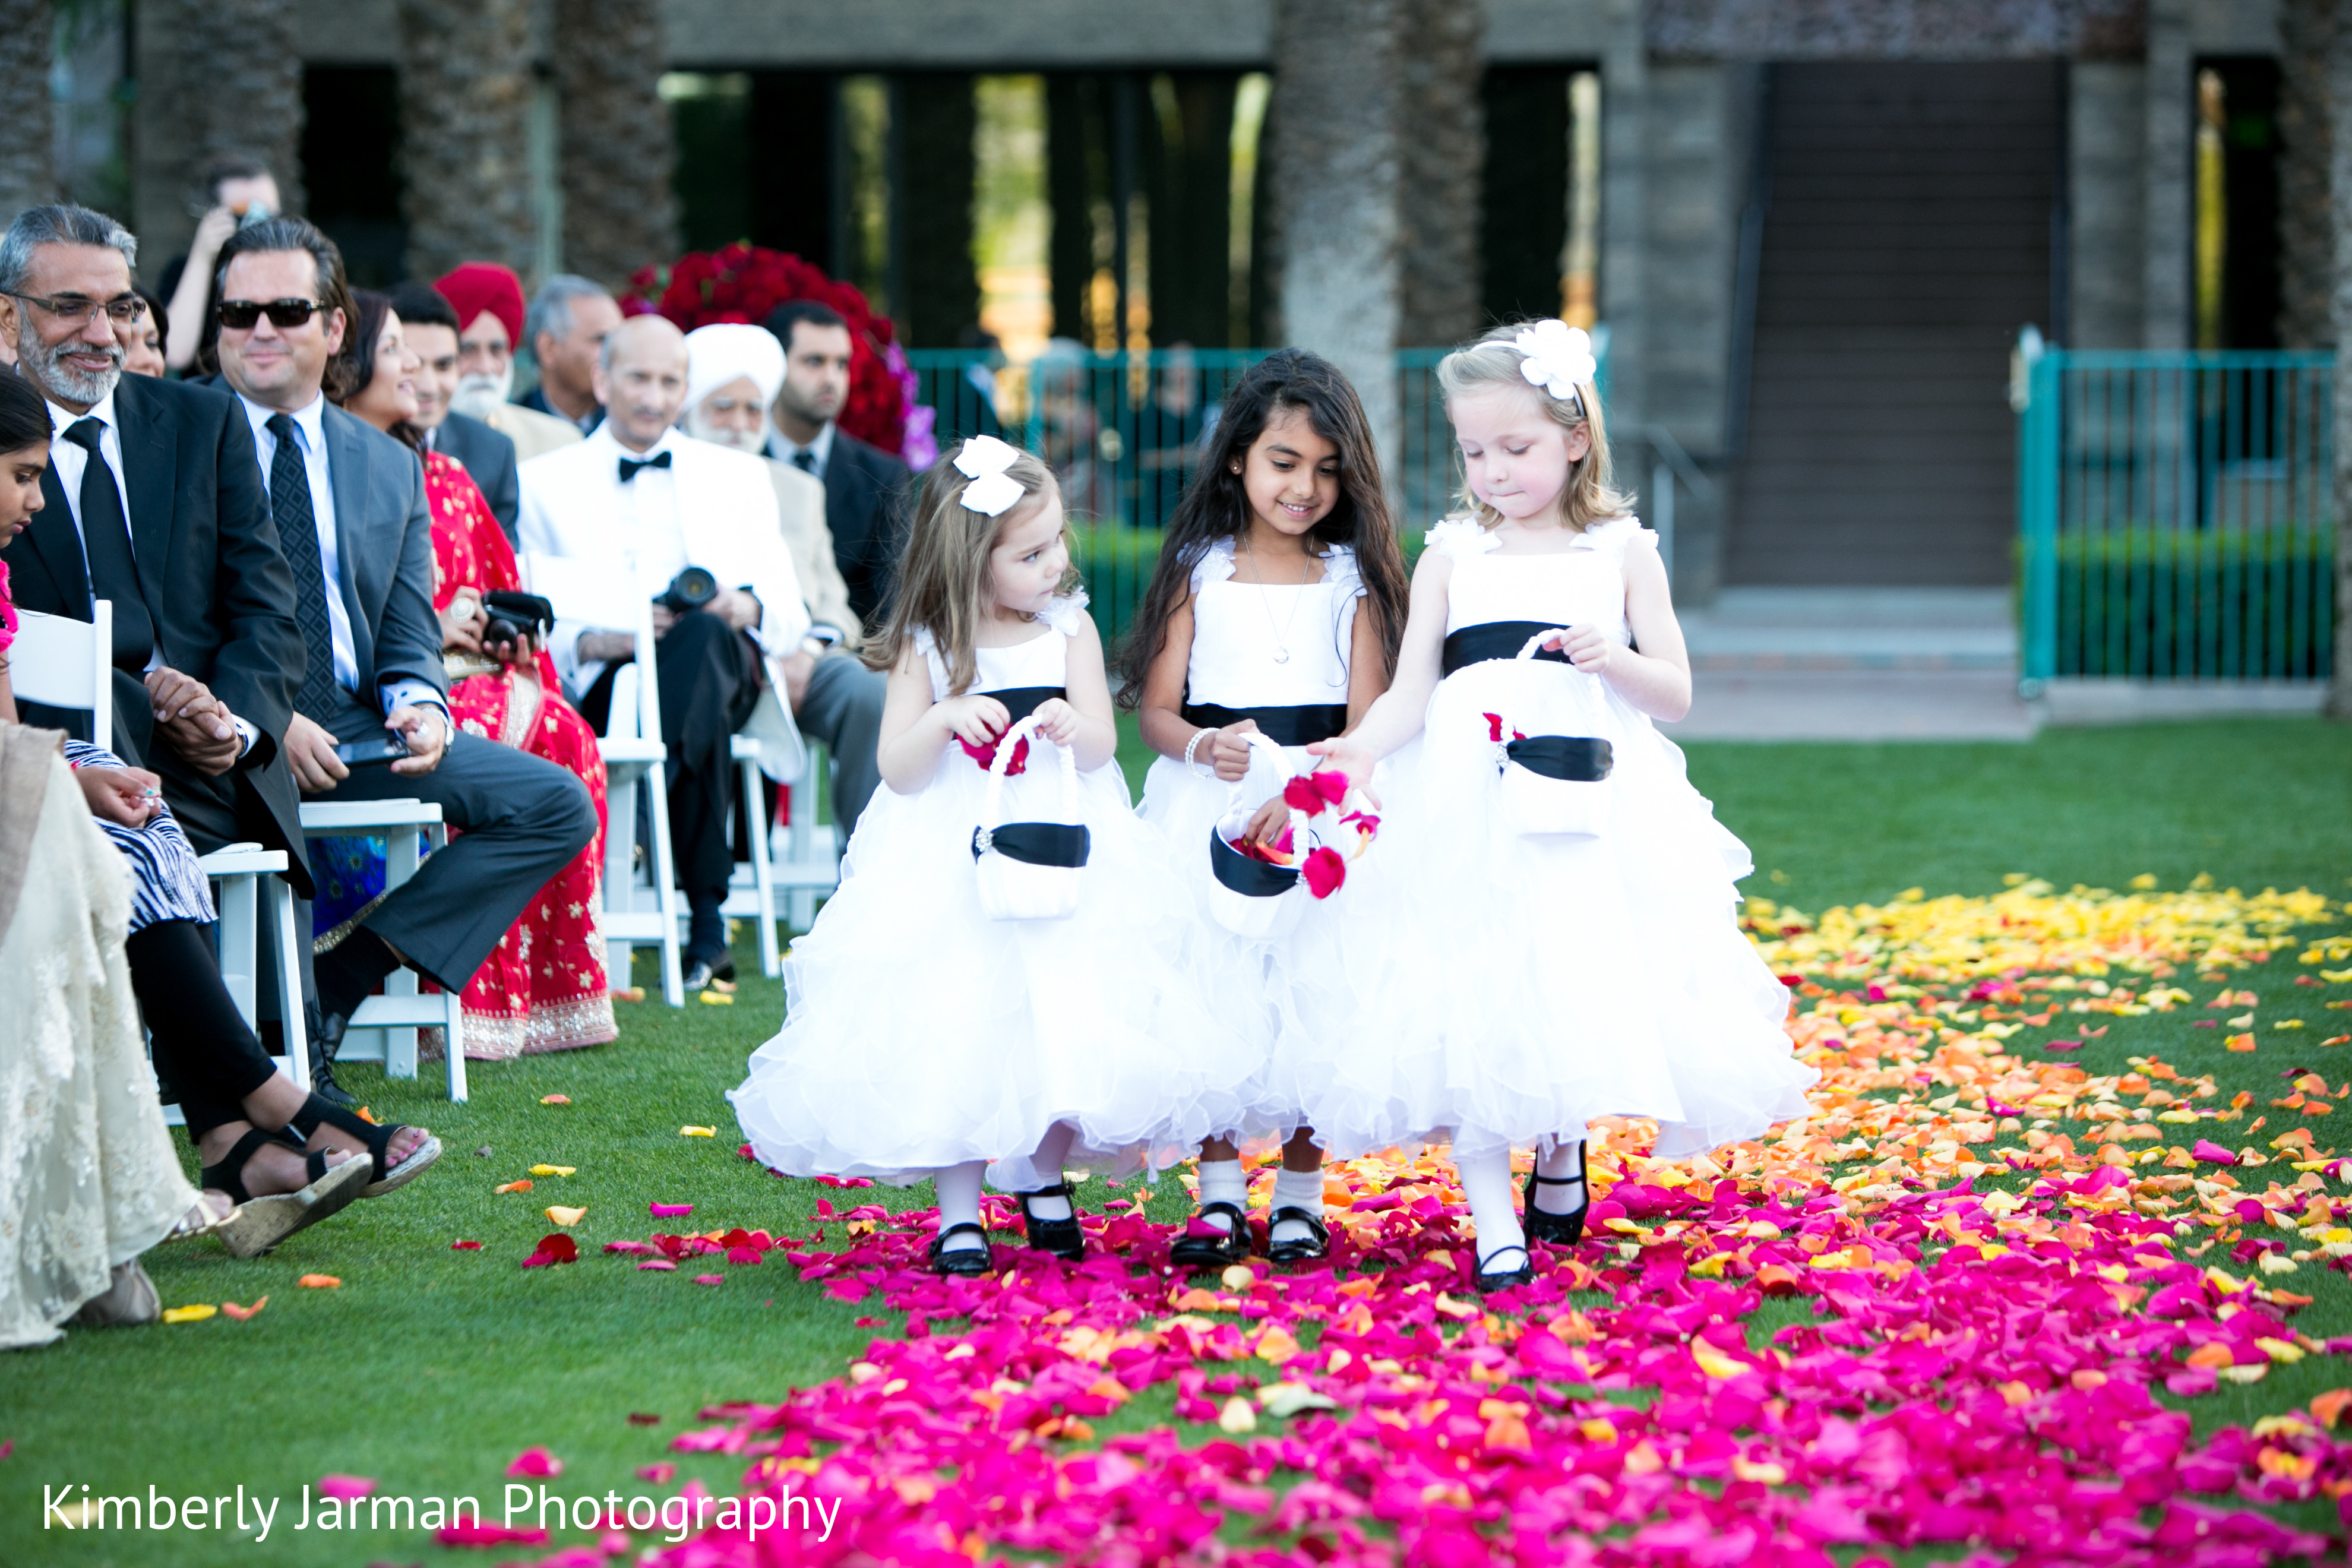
{"type": "Point", "coordinates": [1555, 784]}
{"type": "Point", "coordinates": [1250, 897]}
{"type": "Point", "coordinates": [1029, 870]}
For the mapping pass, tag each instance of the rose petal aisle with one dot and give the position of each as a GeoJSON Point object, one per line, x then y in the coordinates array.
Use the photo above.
{"type": "Point", "coordinates": [1936, 1312]}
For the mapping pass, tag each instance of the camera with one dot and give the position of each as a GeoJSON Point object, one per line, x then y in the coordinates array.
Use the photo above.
{"type": "Point", "coordinates": [254, 214]}
{"type": "Point", "coordinates": [691, 589]}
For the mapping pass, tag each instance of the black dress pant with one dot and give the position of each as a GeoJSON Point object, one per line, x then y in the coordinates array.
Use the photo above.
{"type": "Point", "coordinates": [203, 1047]}
{"type": "Point", "coordinates": [709, 676]}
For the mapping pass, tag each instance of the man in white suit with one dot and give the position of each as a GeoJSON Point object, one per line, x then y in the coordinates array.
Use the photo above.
{"type": "Point", "coordinates": [634, 505]}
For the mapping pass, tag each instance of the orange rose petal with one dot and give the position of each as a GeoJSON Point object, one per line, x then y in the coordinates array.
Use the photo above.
{"type": "Point", "coordinates": [320, 1282]}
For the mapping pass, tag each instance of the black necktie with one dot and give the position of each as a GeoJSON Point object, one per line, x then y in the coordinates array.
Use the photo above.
{"type": "Point", "coordinates": [298, 536]}
{"type": "Point", "coordinates": [105, 541]}
{"type": "Point", "coordinates": [630, 466]}
{"type": "Point", "coordinates": [806, 461]}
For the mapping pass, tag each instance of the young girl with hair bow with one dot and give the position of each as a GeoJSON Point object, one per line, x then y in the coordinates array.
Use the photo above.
{"type": "Point", "coordinates": [930, 1026]}
{"type": "Point", "coordinates": [1573, 947]}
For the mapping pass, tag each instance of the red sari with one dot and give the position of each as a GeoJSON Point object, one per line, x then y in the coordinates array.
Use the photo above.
{"type": "Point", "coordinates": [544, 987]}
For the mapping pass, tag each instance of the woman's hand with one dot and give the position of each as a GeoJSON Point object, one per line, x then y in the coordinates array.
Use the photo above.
{"type": "Point", "coordinates": [1348, 755]}
{"type": "Point", "coordinates": [1589, 648]}
{"type": "Point", "coordinates": [1229, 753]}
{"type": "Point", "coordinates": [975, 718]}
{"type": "Point", "coordinates": [131, 796]}
{"type": "Point", "coordinates": [1058, 721]}
{"type": "Point", "coordinates": [462, 624]}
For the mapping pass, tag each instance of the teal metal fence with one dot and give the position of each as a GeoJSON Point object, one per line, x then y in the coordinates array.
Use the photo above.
{"type": "Point", "coordinates": [1122, 433]}
{"type": "Point", "coordinates": [2175, 516]}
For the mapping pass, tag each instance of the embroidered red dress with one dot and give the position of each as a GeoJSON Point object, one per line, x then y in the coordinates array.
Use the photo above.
{"type": "Point", "coordinates": [544, 988]}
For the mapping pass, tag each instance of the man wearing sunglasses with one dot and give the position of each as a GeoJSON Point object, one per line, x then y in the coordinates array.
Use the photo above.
{"type": "Point", "coordinates": [349, 502]}
{"type": "Point", "coordinates": [153, 503]}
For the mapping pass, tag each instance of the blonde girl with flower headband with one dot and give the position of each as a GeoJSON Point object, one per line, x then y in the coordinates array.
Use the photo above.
{"type": "Point", "coordinates": [926, 1032]}
{"type": "Point", "coordinates": [1573, 949]}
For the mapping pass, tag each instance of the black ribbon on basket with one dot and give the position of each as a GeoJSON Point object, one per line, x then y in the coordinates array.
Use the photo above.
{"type": "Point", "coordinates": [1245, 874]}
{"type": "Point", "coordinates": [1020, 702]}
{"type": "Point", "coordinates": [1494, 640]}
{"type": "Point", "coordinates": [1580, 759]}
{"type": "Point", "coordinates": [1300, 726]}
{"type": "Point", "coordinates": [1035, 843]}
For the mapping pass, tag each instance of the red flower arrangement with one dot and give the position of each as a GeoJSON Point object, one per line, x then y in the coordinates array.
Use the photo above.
{"type": "Point", "coordinates": [1325, 868]}
{"type": "Point", "coordinates": [745, 282]}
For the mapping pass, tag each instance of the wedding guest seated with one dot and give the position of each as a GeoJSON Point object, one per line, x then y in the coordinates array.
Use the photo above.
{"type": "Point", "coordinates": [142, 340]}
{"type": "Point", "coordinates": [544, 987]}
{"type": "Point", "coordinates": [733, 372]}
{"type": "Point", "coordinates": [487, 298]}
{"type": "Point", "coordinates": [640, 501]}
{"type": "Point", "coordinates": [428, 325]}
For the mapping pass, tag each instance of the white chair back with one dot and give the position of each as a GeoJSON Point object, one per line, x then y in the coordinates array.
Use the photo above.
{"type": "Point", "coordinates": [65, 663]}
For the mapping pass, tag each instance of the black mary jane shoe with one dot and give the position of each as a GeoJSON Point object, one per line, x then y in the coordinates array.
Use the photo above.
{"type": "Point", "coordinates": [1200, 1249]}
{"type": "Point", "coordinates": [1566, 1228]}
{"type": "Point", "coordinates": [964, 1262]}
{"type": "Point", "coordinates": [1062, 1237]}
{"type": "Point", "coordinates": [1312, 1248]}
{"type": "Point", "coordinates": [1491, 1279]}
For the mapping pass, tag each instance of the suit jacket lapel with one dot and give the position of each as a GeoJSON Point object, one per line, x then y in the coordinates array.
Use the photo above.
{"type": "Point", "coordinates": [149, 441]}
{"type": "Point", "coordinates": [347, 471]}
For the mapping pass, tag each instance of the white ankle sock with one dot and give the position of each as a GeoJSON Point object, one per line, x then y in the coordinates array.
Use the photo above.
{"type": "Point", "coordinates": [1486, 1183]}
{"type": "Point", "coordinates": [1222, 1182]}
{"type": "Point", "coordinates": [1039, 1169]}
{"type": "Point", "coordinates": [1563, 1161]}
{"type": "Point", "coordinates": [1296, 1190]}
{"type": "Point", "coordinates": [958, 1187]}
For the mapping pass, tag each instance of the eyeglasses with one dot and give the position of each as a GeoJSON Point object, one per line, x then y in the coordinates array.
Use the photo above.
{"type": "Point", "coordinates": [239, 315]}
{"type": "Point", "coordinates": [77, 310]}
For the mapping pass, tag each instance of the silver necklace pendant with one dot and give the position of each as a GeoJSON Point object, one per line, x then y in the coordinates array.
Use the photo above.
{"type": "Point", "coordinates": [1281, 653]}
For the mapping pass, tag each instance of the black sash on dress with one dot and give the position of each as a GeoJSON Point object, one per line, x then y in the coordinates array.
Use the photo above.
{"type": "Point", "coordinates": [1297, 726]}
{"type": "Point", "coordinates": [1584, 759]}
{"type": "Point", "coordinates": [1496, 640]}
{"type": "Point", "coordinates": [1035, 843]}
{"type": "Point", "coordinates": [1020, 702]}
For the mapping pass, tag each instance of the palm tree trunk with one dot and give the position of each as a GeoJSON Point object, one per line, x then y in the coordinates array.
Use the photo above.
{"type": "Point", "coordinates": [29, 170]}
{"type": "Point", "coordinates": [2306, 238]}
{"type": "Point", "coordinates": [230, 82]}
{"type": "Point", "coordinates": [1339, 91]}
{"type": "Point", "coordinates": [1444, 147]}
{"type": "Point", "coordinates": [2339, 115]}
{"type": "Point", "coordinates": [618, 149]}
{"type": "Point", "coordinates": [465, 117]}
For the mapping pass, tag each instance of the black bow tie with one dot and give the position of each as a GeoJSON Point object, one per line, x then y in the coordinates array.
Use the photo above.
{"type": "Point", "coordinates": [629, 466]}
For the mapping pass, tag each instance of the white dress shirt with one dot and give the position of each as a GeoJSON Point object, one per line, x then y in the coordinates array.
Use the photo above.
{"type": "Point", "coordinates": [786, 451]}
{"type": "Point", "coordinates": [310, 430]}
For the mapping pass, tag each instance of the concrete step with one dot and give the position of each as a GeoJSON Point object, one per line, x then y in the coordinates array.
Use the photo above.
{"type": "Point", "coordinates": [1833, 629]}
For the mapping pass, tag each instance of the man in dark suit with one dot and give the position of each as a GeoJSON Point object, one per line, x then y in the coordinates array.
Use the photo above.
{"type": "Point", "coordinates": [865, 489]}
{"type": "Point", "coordinates": [430, 322]}
{"type": "Point", "coordinates": [153, 503]}
{"type": "Point", "coordinates": [350, 506]}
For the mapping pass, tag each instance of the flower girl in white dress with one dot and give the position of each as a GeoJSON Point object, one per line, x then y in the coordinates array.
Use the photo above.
{"type": "Point", "coordinates": [1005, 973]}
{"type": "Point", "coordinates": [1275, 613]}
{"type": "Point", "coordinates": [1574, 951]}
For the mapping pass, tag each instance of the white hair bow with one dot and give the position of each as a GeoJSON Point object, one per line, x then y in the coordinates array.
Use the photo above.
{"type": "Point", "coordinates": [1557, 357]}
{"type": "Point", "coordinates": [982, 459]}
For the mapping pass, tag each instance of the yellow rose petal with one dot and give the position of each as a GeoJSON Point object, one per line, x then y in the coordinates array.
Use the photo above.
{"type": "Point", "coordinates": [562, 1215]}
{"type": "Point", "coordinates": [697, 1131]}
{"type": "Point", "coordinates": [195, 1315]}
{"type": "Point", "coordinates": [553, 1170]}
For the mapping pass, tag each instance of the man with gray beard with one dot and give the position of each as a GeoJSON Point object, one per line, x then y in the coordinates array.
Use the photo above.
{"type": "Point", "coordinates": [156, 503]}
{"type": "Point", "coordinates": [488, 299]}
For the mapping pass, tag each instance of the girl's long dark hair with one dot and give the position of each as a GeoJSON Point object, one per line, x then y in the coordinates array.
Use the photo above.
{"type": "Point", "coordinates": [1216, 506]}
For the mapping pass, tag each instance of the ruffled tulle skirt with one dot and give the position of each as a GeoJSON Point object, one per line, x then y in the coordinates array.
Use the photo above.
{"type": "Point", "coordinates": [919, 1033]}
{"type": "Point", "coordinates": [1289, 994]}
{"type": "Point", "coordinates": [1530, 983]}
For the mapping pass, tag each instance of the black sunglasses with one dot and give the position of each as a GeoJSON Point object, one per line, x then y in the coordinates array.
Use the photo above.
{"type": "Point", "coordinates": [286, 314]}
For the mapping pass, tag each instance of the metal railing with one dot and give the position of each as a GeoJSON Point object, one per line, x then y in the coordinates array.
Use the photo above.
{"type": "Point", "coordinates": [1123, 431]}
{"type": "Point", "coordinates": [2175, 515]}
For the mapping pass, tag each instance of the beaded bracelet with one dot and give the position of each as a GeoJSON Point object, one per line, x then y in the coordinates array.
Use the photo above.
{"type": "Point", "coordinates": [1193, 745]}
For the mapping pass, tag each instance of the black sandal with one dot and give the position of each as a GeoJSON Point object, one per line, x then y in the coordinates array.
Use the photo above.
{"type": "Point", "coordinates": [1195, 1249]}
{"type": "Point", "coordinates": [1062, 1237]}
{"type": "Point", "coordinates": [964, 1262]}
{"type": "Point", "coordinates": [1565, 1229]}
{"type": "Point", "coordinates": [1312, 1248]}
{"type": "Point", "coordinates": [1491, 1280]}
{"type": "Point", "coordinates": [317, 1111]}
{"type": "Point", "coordinates": [261, 1222]}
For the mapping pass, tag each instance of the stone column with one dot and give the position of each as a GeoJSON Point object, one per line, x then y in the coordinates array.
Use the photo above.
{"type": "Point", "coordinates": [466, 92]}
{"type": "Point", "coordinates": [1443, 148]}
{"type": "Point", "coordinates": [216, 78]}
{"type": "Point", "coordinates": [29, 170]}
{"type": "Point", "coordinates": [2169, 207]}
{"type": "Point", "coordinates": [1624, 205]}
{"type": "Point", "coordinates": [618, 146]}
{"type": "Point", "coordinates": [2306, 234]}
{"type": "Point", "coordinates": [2106, 192]}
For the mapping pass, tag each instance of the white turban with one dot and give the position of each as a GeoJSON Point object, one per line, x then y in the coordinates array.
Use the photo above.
{"type": "Point", "coordinates": [728, 351]}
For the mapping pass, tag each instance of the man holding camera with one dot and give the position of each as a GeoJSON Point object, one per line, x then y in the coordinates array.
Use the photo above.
{"type": "Point", "coordinates": [643, 512]}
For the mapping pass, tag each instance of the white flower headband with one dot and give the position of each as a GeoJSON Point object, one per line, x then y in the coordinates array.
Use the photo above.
{"type": "Point", "coordinates": [1558, 358]}
{"type": "Point", "coordinates": [982, 459]}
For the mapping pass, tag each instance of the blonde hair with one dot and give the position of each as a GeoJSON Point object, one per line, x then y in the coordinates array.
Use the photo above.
{"type": "Point", "coordinates": [943, 570]}
{"type": "Point", "coordinates": [1590, 495]}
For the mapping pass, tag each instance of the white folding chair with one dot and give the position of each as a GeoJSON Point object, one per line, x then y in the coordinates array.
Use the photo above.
{"type": "Point", "coordinates": [65, 663]}
{"type": "Point", "coordinates": [641, 905]}
{"type": "Point", "coordinates": [811, 863]}
{"type": "Point", "coordinates": [383, 1028]}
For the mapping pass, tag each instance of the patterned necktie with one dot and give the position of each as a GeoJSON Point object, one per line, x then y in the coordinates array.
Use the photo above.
{"type": "Point", "coordinates": [298, 536]}
{"type": "Point", "coordinates": [630, 467]}
{"type": "Point", "coordinates": [806, 461]}
{"type": "Point", "coordinates": [105, 541]}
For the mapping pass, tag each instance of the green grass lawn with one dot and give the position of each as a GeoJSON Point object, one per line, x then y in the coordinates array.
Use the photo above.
{"type": "Point", "coordinates": [429, 1369]}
